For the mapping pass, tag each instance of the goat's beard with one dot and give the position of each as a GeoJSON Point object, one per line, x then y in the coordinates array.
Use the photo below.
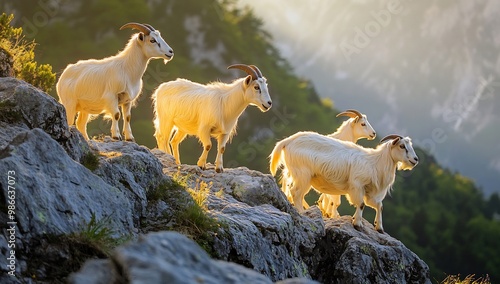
{"type": "Point", "coordinates": [405, 166]}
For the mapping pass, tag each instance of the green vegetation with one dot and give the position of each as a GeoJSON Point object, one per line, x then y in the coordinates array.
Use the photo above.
{"type": "Point", "coordinates": [440, 215]}
{"type": "Point", "coordinates": [90, 160]}
{"type": "Point", "coordinates": [190, 214]}
{"type": "Point", "coordinates": [164, 190]}
{"type": "Point", "coordinates": [25, 67]}
{"type": "Point", "coordinates": [99, 235]}
{"type": "Point", "coordinates": [194, 220]}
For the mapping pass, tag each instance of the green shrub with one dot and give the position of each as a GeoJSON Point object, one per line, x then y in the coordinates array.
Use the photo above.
{"type": "Point", "coordinates": [23, 52]}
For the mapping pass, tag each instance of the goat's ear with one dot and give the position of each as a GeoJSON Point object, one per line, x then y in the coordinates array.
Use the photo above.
{"type": "Point", "coordinates": [141, 36]}
{"type": "Point", "coordinates": [248, 80]}
{"type": "Point", "coordinates": [395, 141]}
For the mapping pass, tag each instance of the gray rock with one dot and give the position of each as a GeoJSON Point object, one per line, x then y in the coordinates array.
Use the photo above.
{"type": "Point", "coordinates": [132, 168]}
{"type": "Point", "coordinates": [346, 255]}
{"type": "Point", "coordinates": [54, 194]}
{"type": "Point", "coordinates": [264, 232]}
{"type": "Point", "coordinates": [24, 107]}
{"type": "Point", "coordinates": [165, 257]}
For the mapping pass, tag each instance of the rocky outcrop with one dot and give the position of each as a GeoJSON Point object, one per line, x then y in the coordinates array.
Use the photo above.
{"type": "Point", "coordinates": [165, 257]}
{"type": "Point", "coordinates": [346, 255]}
{"type": "Point", "coordinates": [76, 200]}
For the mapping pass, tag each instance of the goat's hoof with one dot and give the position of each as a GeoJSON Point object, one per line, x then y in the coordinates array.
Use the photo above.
{"type": "Point", "coordinates": [117, 138]}
{"type": "Point", "coordinates": [202, 168]}
{"type": "Point", "coordinates": [381, 231]}
{"type": "Point", "coordinates": [219, 170]}
{"type": "Point", "coordinates": [130, 140]}
{"type": "Point", "coordinates": [358, 227]}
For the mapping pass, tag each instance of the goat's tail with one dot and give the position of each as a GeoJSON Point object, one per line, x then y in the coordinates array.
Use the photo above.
{"type": "Point", "coordinates": [276, 156]}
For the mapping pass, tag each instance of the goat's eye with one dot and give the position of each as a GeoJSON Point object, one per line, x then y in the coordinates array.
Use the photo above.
{"type": "Point", "coordinates": [363, 124]}
{"type": "Point", "coordinates": [402, 146]}
{"type": "Point", "coordinates": [152, 40]}
{"type": "Point", "coordinates": [256, 87]}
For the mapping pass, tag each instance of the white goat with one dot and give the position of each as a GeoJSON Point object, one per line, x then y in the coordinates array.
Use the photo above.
{"type": "Point", "coordinates": [190, 108]}
{"type": "Point", "coordinates": [91, 87]}
{"type": "Point", "coordinates": [337, 167]}
{"type": "Point", "coordinates": [355, 128]}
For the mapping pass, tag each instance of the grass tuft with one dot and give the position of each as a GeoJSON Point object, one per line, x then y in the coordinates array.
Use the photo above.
{"type": "Point", "coordinates": [98, 234]}
{"type": "Point", "coordinates": [455, 279]}
{"type": "Point", "coordinates": [90, 160]}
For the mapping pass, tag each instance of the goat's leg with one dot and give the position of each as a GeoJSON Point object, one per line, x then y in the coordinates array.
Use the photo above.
{"type": "Point", "coordinates": [356, 194]}
{"type": "Point", "coordinates": [115, 116]}
{"type": "Point", "coordinates": [299, 189]}
{"type": "Point", "coordinates": [204, 137]}
{"type": "Point", "coordinates": [127, 130]}
{"type": "Point", "coordinates": [323, 203]}
{"type": "Point", "coordinates": [378, 213]}
{"type": "Point", "coordinates": [81, 123]}
{"type": "Point", "coordinates": [70, 113]}
{"type": "Point", "coordinates": [163, 135]}
{"type": "Point", "coordinates": [333, 205]}
{"type": "Point", "coordinates": [176, 140]}
{"type": "Point", "coordinates": [286, 184]}
{"type": "Point", "coordinates": [221, 147]}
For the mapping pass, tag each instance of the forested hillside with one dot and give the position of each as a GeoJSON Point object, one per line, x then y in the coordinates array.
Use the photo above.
{"type": "Point", "coordinates": [440, 215]}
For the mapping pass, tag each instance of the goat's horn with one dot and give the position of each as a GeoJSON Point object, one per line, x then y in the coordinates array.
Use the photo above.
{"type": "Point", "coordinates": [246, 68]}
{"type": "Point", "coordinates": [356, 112]}
{"type": "Point", "coordinates": [347, 113]}
{"type": "Point", "coordinates": [137, 26]}
{"type": "Point", "coordinates": [390, 137]}
{"type": "Point", "coordinates": [256, 69]}
{"type": "Point", "coordinates": [150, 27]}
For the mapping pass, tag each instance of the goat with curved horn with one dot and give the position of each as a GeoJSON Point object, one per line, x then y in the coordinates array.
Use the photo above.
{"type": "Point", "coordinates": [249, 70]}
{"type": "Point", "coordinates": [184, 108]}
{"type": "Point", "coordinates": [91, 87]}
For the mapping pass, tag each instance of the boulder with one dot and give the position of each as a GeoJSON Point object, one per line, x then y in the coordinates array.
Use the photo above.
{"type": "Point", "coordinates": [24, 107]}
{"type": "Point", "coordinates": [346, 255]}
{"type": "Point", "coordinates": [164, 257]}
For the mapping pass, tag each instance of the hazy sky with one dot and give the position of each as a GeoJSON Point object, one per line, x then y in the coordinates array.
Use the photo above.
{"type": "Point", "coordinates": [427, 69]}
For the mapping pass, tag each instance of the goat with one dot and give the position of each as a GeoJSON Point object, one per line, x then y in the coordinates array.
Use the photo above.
{"type": "Point", "coordinates": [91, 87]}
{"type": "Point", "coordinates": [355, 128]}
{"type": "Point", "coordinates": [206, 110]}
{"type": "Point", "coordinates": [338, 167]}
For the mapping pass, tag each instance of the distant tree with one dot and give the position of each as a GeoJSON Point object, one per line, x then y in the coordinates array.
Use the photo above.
{"type": "Point", "coordinates": [22, 51]}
